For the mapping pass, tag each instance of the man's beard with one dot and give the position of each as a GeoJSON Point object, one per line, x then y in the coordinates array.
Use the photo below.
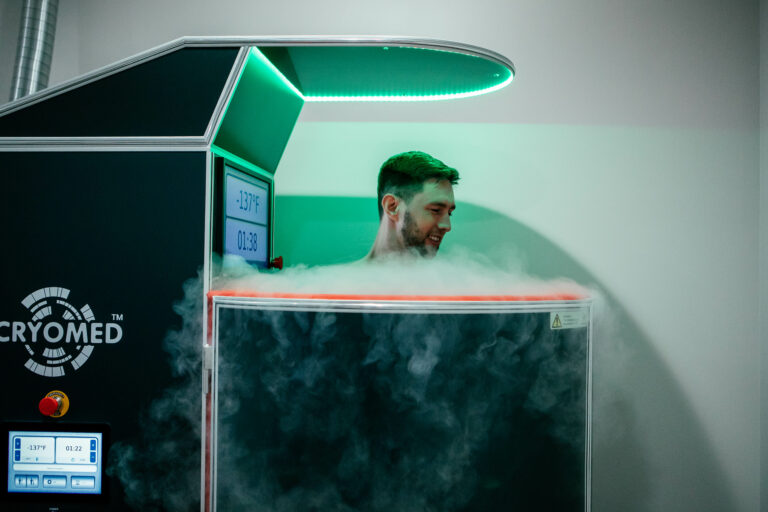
{"type": "Point", "coordinates": [413, 239]}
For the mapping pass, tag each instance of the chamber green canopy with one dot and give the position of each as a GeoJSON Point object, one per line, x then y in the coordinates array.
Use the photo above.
{"type": "Point", "coordinates": [388, 72]}
{"type": "Point", "coordinates": [243, 95]}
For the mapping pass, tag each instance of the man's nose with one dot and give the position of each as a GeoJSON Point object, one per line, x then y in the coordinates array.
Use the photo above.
{"type": "Point", "coordinates": [445, 223]}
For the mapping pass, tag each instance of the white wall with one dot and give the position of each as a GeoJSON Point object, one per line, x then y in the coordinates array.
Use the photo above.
{"type": "Point", "coordinates": [629, 142]}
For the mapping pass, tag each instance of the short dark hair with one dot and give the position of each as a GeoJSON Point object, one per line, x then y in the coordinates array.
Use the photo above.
{"type": "Point", "coordinates": [404, 175]}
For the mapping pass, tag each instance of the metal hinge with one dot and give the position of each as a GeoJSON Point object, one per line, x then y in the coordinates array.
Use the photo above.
{"type": "Point", "coordinates": [207, 357]}
{"type": "Point", "coordinates": [207, 368]}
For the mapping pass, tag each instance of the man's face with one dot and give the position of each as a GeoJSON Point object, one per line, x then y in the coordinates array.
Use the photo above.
{"type": "Point", "coordinates": [427, 217]}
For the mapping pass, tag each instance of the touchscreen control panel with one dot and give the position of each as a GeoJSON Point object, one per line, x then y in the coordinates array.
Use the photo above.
{"type": "Point", "coordinates": [54, 462]}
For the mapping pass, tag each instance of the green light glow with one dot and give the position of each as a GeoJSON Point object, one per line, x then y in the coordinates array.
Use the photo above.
{"type": "Point", "coordinates": [239, 161]}
{"type": "Point", "coordinates": [260, 115]}
{"type": "Point", "coordinates": [256, 53]}
{"type": "Point", "coordinates": [352, 74]}
{"type": "Point", "coordinates": [419, 97]}
{"type": "Point", "coordinates": [228, 102]}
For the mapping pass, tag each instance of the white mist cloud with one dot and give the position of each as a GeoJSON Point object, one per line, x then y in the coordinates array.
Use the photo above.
{"type": "Point", "coordinates": [407, 412]}
{"type": "Point", "coordinates": [458, 272]}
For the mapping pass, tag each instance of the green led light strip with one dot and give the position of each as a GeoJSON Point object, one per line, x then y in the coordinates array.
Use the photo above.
{"type": "Point", "coordinates": [414, 97]}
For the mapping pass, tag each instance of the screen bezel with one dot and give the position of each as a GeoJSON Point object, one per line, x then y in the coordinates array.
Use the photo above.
{"type": "Point", "coordinates": [220, 206]}
{"type": "Point", "coordinates": [39, 497]}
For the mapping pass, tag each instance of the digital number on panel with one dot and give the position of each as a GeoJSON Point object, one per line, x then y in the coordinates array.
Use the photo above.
{"type": "Point", "coordinates": [247, 240]}
{"type": "Point", "coordinates": [246, 200]}
{"type": "Point", "coordinates": [54, 462]}
{"type": "Point", "coordinates": [247, 208]}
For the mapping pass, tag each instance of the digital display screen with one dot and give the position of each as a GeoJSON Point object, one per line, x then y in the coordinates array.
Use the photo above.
{"type": "Point", "coordinates": [55, 462]}
{"type": "Point", "coordinates": [246, 216]}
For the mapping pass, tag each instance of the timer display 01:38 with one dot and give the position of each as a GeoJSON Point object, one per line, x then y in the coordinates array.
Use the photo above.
{"type": "Point", "coordinates": [246, 240]}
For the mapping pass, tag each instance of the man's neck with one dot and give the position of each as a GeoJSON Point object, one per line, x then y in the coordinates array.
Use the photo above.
{"type": "Point", "coordinates": [387, 243]}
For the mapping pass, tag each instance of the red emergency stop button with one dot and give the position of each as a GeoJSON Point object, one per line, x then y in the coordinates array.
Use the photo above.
{"type": "Point", "coordinates": [49, 406]}
{"type": "Point", "coordinates": [55, 404]}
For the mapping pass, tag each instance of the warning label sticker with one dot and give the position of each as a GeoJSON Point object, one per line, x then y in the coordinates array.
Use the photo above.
{"type": "Point", "coordinates": [568, 319]}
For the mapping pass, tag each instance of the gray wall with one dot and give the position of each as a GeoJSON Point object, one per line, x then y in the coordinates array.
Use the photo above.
{"type": "Point", "coordinates": [764, 249]}
{"type": "Point", "coordinates": [628, 148]}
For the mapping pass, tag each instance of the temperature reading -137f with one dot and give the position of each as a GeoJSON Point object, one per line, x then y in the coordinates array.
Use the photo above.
{"type": "Point", "coordinates": [249, 202]}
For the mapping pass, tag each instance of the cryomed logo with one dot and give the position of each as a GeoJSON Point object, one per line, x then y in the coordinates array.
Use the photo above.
{"type": "Point", "coordinates": [59, 334]}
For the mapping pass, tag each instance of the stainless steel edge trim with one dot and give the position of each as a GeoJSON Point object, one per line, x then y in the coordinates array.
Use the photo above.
{"type": "Point", "coordinates": [78, 149]}
{"type": "Point", "coordinates": [208, 228]}
{"type": "Point", "coordinates": [203, 426]}
{"type": "Point", "coordinates": [162, 139]}
{"type": "Point", "coordinates": [214, 413]}
{"type": "Point", "coordinates": [225, 96]}
{"type": "Point", "coordinates": [106, 148]}
{"type": "Point", "coordinates": [206, 286]}
{"type": "Point", "coordinates": [405, 306]}
{"type": "Point", "coordinates": [66, 142]}
{"type": "Point", "coordinates": [217, 41]}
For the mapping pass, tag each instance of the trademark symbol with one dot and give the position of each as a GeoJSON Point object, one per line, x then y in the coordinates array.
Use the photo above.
{"type": "Point", "coordinates": [117, 317]}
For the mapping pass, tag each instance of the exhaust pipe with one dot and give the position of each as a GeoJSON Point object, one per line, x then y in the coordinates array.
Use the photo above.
{"type": "Point", "coordinates": [35, 47]}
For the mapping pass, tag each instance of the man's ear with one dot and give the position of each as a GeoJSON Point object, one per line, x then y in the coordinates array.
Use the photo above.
{"type": "Point", "coordinates": [391, 206]}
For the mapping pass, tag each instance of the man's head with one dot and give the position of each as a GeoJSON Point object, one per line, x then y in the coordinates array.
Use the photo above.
{"type": "Point", "coordinates": [415, 195]}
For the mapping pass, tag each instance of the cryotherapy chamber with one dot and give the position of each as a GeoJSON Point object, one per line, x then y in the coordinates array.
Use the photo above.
{"type": "Point", "coordinates": [408, 403]}
{"type": "Point", "coordinates": [119, 187]}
